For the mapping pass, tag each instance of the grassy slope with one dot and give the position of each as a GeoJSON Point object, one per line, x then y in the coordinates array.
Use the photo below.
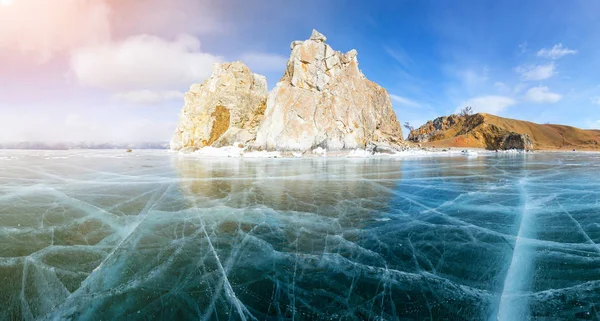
{"type": "Point", "coordinates": [545, 137]}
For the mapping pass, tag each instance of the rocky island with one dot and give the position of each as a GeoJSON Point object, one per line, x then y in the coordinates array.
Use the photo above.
{"type": "Point", "coordinates": [323, 101]}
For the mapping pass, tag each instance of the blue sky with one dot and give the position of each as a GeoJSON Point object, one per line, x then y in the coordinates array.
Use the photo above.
{"type": "Point", "coordinates": [534, 60]}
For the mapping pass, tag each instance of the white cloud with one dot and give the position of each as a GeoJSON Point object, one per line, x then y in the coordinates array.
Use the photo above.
{"type": "Point", "coordinates": [143, 61]}
{"type": "Point", "coordinates": [509, 90]}
{"type": "Point", "coordinates": [168, 18]}
{"type": "Point", "coordinates": [557, 51]}
{"type": "Point", "coordinates": [44, 28]}
{"type": "Point", "coordinates": [472, 78]}
{"type": "Point", "coordinates": [400, 56]}
{"type": "Point", "coordinates": [82, 125]}
{"type": "Point", "coordinates": [487, 104]}
{"type": "Point", "coordinates": [149, 97]}
{"type": "Point", "coordinates": [80, 128]}
{"type": "Point", "coordinates": [595, 100]}
{"type": "Point", "coordinates": [404, 101]}
{"type": "Point", "coordinates": [523, 47]}
{"type": "Point", "coordinates": [73, 120]}
{"type": "Point", "coordinates": [519, 88]}
{"type": "Point", "coordinates": [536, 72]}
{"type": "Point", "coordinates": [501, 87]}
{"type": "Point", "coordinates": [542, 95]}
{"type": "Point", "coordinates": [264, 62]}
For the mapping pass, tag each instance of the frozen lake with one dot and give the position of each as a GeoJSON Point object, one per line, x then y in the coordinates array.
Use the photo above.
{"type": "Point", "coordinates": [105, 235]}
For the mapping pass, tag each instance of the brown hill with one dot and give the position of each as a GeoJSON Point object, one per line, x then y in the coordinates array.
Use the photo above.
{"type": "Point", "coordinates": [493, 132]}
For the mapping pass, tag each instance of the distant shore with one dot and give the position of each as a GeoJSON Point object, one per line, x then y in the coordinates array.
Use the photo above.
{"type": "Point", "coordinates": [231, 152]}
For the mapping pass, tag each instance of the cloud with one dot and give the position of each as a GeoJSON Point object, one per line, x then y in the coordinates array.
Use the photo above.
{"type": "Point", "coordinates": [149, 97]}
{"type": "Point", "coordinates": [44, 28]}
{"type": "Point", "coordinates": [519, 88]}
{"type": "Point", "coordinates": [523, 47]}
{"type": "Point", "coordinates": [557, 51]}
{"type": "Point", "coordinates": [536, 72]}
{"type": "Point", "coordinates": [82, 125]}
{"type": "Point", "coordinates": [143, 62]}
{"type": "Point", "coordinates": [487, 104]}
{"type": "Point", "coordinates": [167, 18]}
{"type": "Point", "coordinates": [400, 56]}
{"type": "Point", "coordinates": [542, 95]}
{"type": "Point", "coordinates": [595, 100]}
{"type": "Point", "coordinates": [501, 87]}
{"type": "Point", "coordinates": [473, 78]}
{"type": "Point", "coordinates": [404, 101]}
{"type": "Point", "coordinates": [80, 128]}
{"type": "Point", "coordinates": [264, 62]}
{"type": "Point", "coordinates": [73, 120]}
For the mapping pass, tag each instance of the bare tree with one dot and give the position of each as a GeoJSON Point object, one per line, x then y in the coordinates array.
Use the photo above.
{"type": "Point", "coordinates": [466, 112]}
{"type": "Point", "coordinates": [408, 126]}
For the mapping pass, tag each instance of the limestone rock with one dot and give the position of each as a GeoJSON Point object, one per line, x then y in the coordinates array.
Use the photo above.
{"type": "Point", "coordinates": [324, 100]}
{"type": "Point", "coordinates": [317, 36]}
{"type": "Point", "coordinates": [226, 109]}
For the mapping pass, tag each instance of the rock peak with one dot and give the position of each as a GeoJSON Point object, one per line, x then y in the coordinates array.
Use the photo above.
{"type": "Point", "coordinates": [324, 100]}
{"type": "Point", "coordinates": [317, 36]}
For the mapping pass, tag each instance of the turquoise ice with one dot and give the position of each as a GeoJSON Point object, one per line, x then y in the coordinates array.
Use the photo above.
{"type": "Point", "coordinates": [108, 235]}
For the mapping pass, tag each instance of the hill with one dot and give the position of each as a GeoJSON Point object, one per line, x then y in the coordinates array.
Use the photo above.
{"type": "Point", "coordinates": [493, 132]}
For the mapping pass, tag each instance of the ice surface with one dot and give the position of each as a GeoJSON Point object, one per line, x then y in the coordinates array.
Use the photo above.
{"type": "Point", "coordinates": [153, 235]}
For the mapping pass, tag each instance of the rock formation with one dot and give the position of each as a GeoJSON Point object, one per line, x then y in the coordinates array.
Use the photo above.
{"type": "Point", "coordinates": [432, 129]}
{"type": "Point", "coordinates": [226, 109]}
{"type": "Point", "coordinates": [493, 132]}
{"type": "Point", "coordinates": [324, 100]}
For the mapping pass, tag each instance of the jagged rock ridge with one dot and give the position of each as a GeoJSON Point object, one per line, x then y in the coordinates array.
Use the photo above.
{"type": "Point", "coordinates": [324, 100]}
{"type": "Point", "coordinates": [493, 132]}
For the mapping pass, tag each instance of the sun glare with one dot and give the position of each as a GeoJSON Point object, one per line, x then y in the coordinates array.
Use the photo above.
{"type": "Point", "coordinates": [6, 3]}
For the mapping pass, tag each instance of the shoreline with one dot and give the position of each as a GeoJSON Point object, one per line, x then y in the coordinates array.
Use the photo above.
{"type": "Point", "coordinates": [239, 153]}
{"type": "Point", "coordinates": [235, 152]}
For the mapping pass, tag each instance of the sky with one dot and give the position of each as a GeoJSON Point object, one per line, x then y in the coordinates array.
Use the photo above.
{"type": "Point", "coordinates": [116, 70]}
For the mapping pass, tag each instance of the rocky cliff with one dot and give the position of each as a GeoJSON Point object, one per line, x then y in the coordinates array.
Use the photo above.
{"type": "Point", "coordinates": [224, 110]}
{"type": "Point", "coordinates": [493, 132]}
{"type": "Point", "coordinates": [324, 100]}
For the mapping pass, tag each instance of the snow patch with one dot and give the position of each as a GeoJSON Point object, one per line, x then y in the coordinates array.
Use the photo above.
{"type": "Point", "coordinates": [320, 151]}
{"type": "Point", "coordinates": [470, 153]}
{"type": "Point", "coordinates": [262, 154]}
{"type": "Point", "coordinates": [228, 151]}
{"type": "Point", "coordinates": [233, 152]}
{"type": "Point", "coordinates": [360, 153]}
